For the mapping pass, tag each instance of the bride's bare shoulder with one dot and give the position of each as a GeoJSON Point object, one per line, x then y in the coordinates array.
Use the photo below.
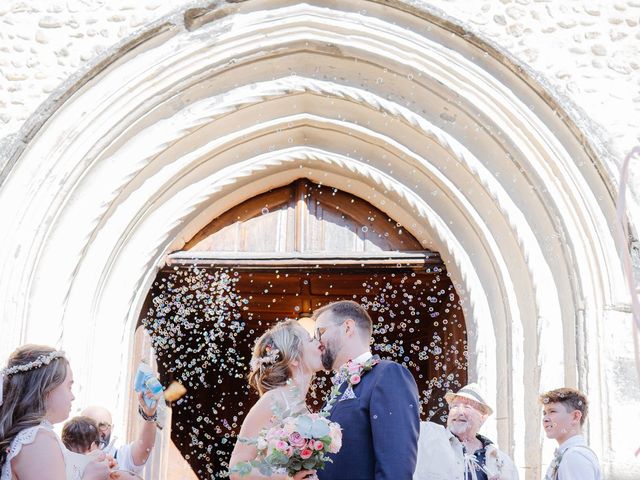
{"type": "Point", "coordinates": [261, 414]}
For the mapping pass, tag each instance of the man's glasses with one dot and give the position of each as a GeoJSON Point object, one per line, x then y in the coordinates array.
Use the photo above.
{"type": "Point", "coordinates": [319, 331]}
{"type": "Point", "coordinates": [103, 427]}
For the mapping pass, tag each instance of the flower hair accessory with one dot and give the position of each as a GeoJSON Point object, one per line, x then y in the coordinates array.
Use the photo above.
{"type": "Point", "coordinates": [39, 362]}
{"type": "Point", "coordinates": [270, 357]}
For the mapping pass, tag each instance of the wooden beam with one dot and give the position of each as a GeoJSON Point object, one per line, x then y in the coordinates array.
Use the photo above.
{"type": "Point", "coordinates": [239, 260]}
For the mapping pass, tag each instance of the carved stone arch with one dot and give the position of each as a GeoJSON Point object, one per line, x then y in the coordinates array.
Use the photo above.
{"type": "Point", "coordinates": [387, 101]}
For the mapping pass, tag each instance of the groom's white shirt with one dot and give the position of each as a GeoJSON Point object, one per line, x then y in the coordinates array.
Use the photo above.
{"type": "Point", "coordinates": [359, 359]}
{"type": "Point", "coordinates": [363, 358]}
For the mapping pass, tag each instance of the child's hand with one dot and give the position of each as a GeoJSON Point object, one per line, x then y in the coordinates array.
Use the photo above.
{"type": "Point", "coordinates": [96, 470]}
{"type": "Point", "coordinates": [112, 462]}
{"type": "Point", "coordinates": [123, 475]}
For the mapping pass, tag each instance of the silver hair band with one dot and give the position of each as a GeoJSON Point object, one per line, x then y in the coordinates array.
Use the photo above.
{"type": "Point", "coordinates": [39, 362]}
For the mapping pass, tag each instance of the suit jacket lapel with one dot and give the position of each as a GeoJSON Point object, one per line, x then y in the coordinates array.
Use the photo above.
{"type": "Point", "coordinates": [345, 385]}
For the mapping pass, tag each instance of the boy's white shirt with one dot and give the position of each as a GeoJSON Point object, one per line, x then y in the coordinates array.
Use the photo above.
{"type": "Point", "coordinates": [578, 461]}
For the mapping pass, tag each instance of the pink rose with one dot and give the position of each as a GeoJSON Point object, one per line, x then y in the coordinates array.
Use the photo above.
{"type": "Point", "coordinates": [355, 379]}
{"type": "Point", "coordinates": [273, 445]}
{"type": "Point", "coordinates": [296, 440]}
{"type": "Point", "coordinates": [306, 453]}
{"type": "Point", "coordinates": [318, 445]}
{"type": "Point", "coordinates": [336, 438]}
{"type": "Point", "coordinates": [282, 445]}
{"type": "Point", "coordinates": [353, 368]}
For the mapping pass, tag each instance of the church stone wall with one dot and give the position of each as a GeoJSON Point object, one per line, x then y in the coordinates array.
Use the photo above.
{"type": "Point", "coordinates": [587, 53]}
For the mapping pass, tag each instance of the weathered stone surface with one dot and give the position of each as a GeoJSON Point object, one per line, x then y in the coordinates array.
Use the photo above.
{"type": "Point", "coordinates": [592, 10]}
{"type": "Point", "coordinates": [578, 50]}
{"type": "Point", "coordinates": [499, 19]}
{"type": "Point", "coordinates": [516, 12]}
{"type": "Point", "coordinates": [15, 76]}
{"type": "Point", "coordinates": [41, 37]}
{"type": "Point", "coordinates": [50, 22]}
{"type": "Point", "coordinates": [599, 50]}
{"type": "Point", "coordinates": [530, 30]}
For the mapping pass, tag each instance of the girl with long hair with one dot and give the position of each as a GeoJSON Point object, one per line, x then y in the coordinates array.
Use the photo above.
{"type": "Point", "coordinates": [35, 393]}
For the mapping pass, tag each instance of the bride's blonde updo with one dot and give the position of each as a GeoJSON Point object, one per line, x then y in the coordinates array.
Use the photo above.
{"type": "Point", "coordinates": [272, 355]}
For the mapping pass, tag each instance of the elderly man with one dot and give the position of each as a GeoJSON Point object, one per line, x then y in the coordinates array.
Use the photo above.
{"type": "Point", "coordinates": [458, 452]}
{"type": "Point", "coordinates": [131, 456]}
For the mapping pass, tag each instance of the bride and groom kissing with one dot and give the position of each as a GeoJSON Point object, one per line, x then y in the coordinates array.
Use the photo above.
{"type": "Point", "coordinates": [374, 401]}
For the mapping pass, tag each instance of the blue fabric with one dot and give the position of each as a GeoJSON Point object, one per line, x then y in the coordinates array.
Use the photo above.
{"type": "Point", "coordinates": [481, 459]}
{"type": "Point", "coordinates": [380, 427]}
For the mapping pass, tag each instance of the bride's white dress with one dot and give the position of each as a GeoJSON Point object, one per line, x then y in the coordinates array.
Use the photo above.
{"type": "Point", "coordinates": [75, 463]}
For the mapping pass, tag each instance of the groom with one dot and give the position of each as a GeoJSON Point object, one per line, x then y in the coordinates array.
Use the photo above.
{"type": "Point", "coordinates": [374, 401]}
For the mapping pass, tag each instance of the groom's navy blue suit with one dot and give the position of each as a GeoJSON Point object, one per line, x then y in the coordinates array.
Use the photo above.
{"type": "Point", "coordinates": [380, 427]}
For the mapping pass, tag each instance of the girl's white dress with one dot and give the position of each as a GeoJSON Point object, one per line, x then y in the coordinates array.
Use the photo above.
{"type": "Point", "coordinates": [75, 463]}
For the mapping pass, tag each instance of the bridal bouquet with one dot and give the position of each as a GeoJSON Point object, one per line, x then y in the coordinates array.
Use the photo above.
{"type": "Point", "coordinates": [297, 443]}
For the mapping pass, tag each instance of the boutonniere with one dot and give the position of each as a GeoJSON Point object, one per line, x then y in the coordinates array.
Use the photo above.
{"type": "Point", "coordinates": [353, 373]}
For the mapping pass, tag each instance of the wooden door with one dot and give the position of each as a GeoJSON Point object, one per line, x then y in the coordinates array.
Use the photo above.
{"type": "Point", "coordinates": [281, 255]}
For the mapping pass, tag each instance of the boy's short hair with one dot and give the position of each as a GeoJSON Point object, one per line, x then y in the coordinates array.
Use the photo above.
{"type": "Point", "coordinates": [571, 398]}
{"type": "Point", "coordinates": [79, 433]}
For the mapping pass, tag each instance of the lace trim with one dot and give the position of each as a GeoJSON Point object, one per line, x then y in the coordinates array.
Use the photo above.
{"type": "Point", "coordinates": [25, 437]}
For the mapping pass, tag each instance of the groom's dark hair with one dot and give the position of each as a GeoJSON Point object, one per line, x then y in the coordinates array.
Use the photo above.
{"type": "Point", "coordinates": [345, 309]}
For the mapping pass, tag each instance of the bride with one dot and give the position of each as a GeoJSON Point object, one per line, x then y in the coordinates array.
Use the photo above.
{"type": "Point", "coordinates": [36, 386]}
{"type": "Point", "coordinates": [283, 363]}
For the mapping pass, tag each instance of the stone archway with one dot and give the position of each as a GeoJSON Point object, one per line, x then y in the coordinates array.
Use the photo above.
{"type": "Point", "coordinates": [383, 100]}
{"type": "Point", "coordinates": [281, 255]}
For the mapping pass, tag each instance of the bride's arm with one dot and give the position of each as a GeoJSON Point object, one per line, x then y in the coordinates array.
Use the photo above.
{"type": "Point", "coordinates": [259, 417]}
{"type": "Point", "coordinates": [40, 459]}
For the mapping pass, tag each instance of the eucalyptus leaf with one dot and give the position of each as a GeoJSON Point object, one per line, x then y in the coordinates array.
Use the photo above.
{"type": "Point", "coordinates": [319, 428]}
{"type": "Point", "coordinates": [265, 469]}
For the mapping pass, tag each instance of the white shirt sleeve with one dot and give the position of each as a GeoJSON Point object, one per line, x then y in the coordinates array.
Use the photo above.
{"type": "Point", "coordinates": [579, 464]}
{"type": "Point", "coordinates": [125, 460]}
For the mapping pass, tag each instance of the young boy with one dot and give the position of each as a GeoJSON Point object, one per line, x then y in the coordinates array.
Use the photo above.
{"type": "Point", "coordinates": [81, 435]}
{"type": "Point", "coordinates": [564, 413]}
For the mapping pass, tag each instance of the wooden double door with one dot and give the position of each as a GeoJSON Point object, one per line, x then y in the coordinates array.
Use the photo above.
{"type": "Point", "coordinates": [282, 255]}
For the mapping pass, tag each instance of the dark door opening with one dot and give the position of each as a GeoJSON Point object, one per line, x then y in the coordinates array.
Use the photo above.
{"type": "Point", "coordinates": [282, 254]}
{"type": "Point", "coordinates": [417, 322]}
